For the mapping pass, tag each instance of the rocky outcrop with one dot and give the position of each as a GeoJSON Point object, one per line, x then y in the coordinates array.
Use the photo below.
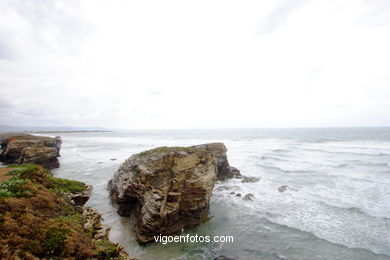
{"type": "Point", "coordinates": [225, 171]}
{"type": "Point", "coordinates": [31, 149]}
{"type": "Point", "coordinates": [167, 189]}
{"type": "Point", "coordinates": [79, 198]}
{"type": "Point", "coordinates": [222, 257]}
{"type": "Point", "coordinates": [248, 179]}
{"type": "Point", "coordinates": [284, 188]}
{"type": "Point", "coordinates": [249, 196]}
{"type": "Point", "coordinates": [93, 221]}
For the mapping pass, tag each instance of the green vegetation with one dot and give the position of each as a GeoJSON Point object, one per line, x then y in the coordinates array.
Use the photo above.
{"type": "Point", "coordinates": [75, 218]}
{"type": "Point", "coordinates": [106, 250]}
{"type": "Point", "coordinates": [66, 186]}
{"type": "Point", "coordinates": [25, 170]}
{"type": "Point", "coordinates": [166, 149]}
{"type": "Point", "coordinates": [14, 187]}
{"type": "Point", "coordinates": [37, 221]}
{"type": "Point", "coordinates": [54, 243]}
{"type": "Point", "coordinates": [25, 166]}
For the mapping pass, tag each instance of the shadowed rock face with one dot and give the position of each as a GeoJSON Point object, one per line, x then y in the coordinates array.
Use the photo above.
{"type": "Point", "coordinates": [224, 170]}
{"type": "Point", "coordinates": [168, 188]}
{"type": "Point", "coordinates": [31, 149]}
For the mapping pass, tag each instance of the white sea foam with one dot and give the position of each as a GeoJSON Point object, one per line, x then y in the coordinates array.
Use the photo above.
{"type": "Point", "coordinates": [336, 204]}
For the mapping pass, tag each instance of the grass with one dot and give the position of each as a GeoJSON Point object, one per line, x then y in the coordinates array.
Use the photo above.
{"type": "Point", "coordinates": [24, 169]}
{"type": "Point", "coordinates": [106, 249]}
{"type": "Point", "coordinates": [24, 166]}
{"type": "Point", "coordinates": [65, 186]}
{"type": "Point", "coordinates": [54, 243]}
{"type": "Point", "coordinates": [14, 187]}
{"type": "Point", "coordinates": [165, 149]}
{"type": "Point", "coordinates": [19, 185]}
{"type": "Point", "coordinates": [27, 171]}
{"type": "Point", "coordinates": [75, 218]}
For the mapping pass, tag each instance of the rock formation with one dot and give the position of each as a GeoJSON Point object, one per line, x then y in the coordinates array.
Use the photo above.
{"type": "Point", "coordinates": [79, 198]}
{"type": "Point", "coordinates": [249, 196]}
{"type": "Point", "coordinates": [93, 221]}
{"type": "Point", "coordinates": [282, 188]}
{"type": "Point", "coordinates": [167, 189]}
{"type": "Point", "coordinates": [222, 257]}
{"type": "Point", "coordinates": [31, 149]}
{"type": "Point", "coordinates": [224, 170]}
{"type": "Point", "coordinates": [246, 179]}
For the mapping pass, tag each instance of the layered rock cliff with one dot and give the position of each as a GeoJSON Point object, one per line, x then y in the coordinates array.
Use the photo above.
{"type": "Point", "coordinates": [167, 189]}
{"type": "Point", "coordinates": [31, 149]}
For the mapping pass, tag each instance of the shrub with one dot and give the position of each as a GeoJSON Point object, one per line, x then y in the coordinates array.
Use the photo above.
{"type": "Point", "coordinates": [14, 187]}
{"type": "Point", "coordinates": [106, 249]}
{"type": "Point", "coordinates": [65, 186]}
{"type": "Point", "coordinates": [54, 243]}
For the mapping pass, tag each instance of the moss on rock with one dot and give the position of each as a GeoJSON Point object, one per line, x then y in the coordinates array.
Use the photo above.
{"type": "Point", "coordinates": [165, 149]}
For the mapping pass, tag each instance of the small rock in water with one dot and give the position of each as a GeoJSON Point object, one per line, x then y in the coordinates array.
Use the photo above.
{"type": "Point", "coordinates": [238, 195]}
{"type": "Point", "coordinates": [246, 179]}
{"type": "Point", "coordinates": [282, 188]}
{"type": "Point", "coordinates": [235, 172]}
{"type": "Point", "coordinates": [222, 257]}
{"type": "Point", "coordinates": [232, 193]}
{"type": "Point", "coordinates": [99, 162]}
{"type": "Point", "coordinates": [249, 196]}
{"type": "Point", "coordinates": [113, 159]}
{"type": "Point", "coordinates": [223, 187]}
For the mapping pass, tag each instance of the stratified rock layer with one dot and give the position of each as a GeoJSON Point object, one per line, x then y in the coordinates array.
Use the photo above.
{"type": "Point", "coordinates": [31, 149]}
{"type": "Point", "coordinates": [167, 189]}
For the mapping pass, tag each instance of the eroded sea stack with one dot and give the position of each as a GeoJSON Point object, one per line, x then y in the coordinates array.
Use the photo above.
{"type": "Point", "coordinates": [21, 149]}
{"type": "Point", "coordinates": [169, 188]}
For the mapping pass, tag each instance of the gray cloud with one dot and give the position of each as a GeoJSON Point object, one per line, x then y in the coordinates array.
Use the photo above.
{"type": "Point", "coordinates": [314, 72]}
{"type": "Point", "coordinates": [5, 51]}
{"type": "Point", "coordinates": [375, 13]}
{"type": "Point", "coordinates": [132, 76]}
{"type": "Point", "coordinates": [5, 103]}
{"type": "Point", "coordinates": [279, 16]}
{"type": "Point", "coordinates": [56, 26]}
{"type": "Point", "coordinates": [154, 93]}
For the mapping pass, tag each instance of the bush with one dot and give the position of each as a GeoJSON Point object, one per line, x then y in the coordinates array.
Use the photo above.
{"type": "Point", "coordinates": [54, 243]}
{"type": "Point", "coordinates": [106, 249]}
{"type": "Point", "coordinates": [14, 187]}
{"type": "Point", "coordinates": [65, 186]}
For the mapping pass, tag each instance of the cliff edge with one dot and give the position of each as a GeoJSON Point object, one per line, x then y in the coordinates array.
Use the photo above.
{"type": "Point", "coordinates": [22, 149]}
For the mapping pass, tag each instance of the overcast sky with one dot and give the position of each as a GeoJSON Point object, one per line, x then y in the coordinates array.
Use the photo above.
{"type": "Point", "coordinates": [195, 64]}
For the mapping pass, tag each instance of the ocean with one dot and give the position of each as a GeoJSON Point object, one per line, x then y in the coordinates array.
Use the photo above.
{"type": "Point", "coordinates": [336, 202]}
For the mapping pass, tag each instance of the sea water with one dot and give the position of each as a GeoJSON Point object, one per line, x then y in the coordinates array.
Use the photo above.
{"type": "Point", "coordinates": [336, 203]}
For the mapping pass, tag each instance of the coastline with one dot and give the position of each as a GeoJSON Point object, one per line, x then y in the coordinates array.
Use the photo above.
{"type": "Point", "coordinates": [54, 131]}
{"type": "Point", "coordinates": [278, 161]}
